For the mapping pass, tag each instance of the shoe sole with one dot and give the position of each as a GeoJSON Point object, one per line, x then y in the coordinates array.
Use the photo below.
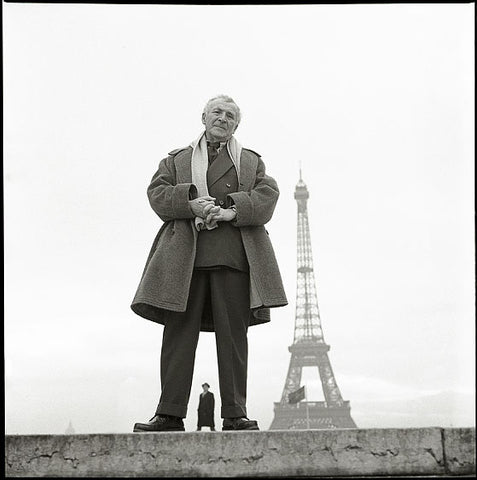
{"type": "Point", "coordinates": [137, 430]}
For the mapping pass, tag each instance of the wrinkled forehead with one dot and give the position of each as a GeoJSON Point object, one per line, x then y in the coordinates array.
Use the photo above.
{"type": "Point", "coordinates": [224, 106]}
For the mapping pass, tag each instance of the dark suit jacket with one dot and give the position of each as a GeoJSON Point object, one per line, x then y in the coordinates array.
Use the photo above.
{"type": "Point", "coordinates": [206, 410]}
{"type": "Point", "coordinates": [221, 246]}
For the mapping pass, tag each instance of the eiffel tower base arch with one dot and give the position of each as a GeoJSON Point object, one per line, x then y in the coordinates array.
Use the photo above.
{"type": "Point", "coordinates": [311, 415]}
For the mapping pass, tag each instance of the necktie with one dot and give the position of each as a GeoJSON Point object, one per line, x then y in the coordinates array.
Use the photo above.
{"type": "Point", "coordinates": [212, 150]}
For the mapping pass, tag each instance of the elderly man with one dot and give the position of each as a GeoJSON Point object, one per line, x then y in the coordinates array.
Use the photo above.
{"type": "Point", "coordinates": [211, 266]}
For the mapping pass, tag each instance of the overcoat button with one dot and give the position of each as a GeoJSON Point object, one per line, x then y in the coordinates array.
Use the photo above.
{"type": "Point", "coordinates": [228, 185]}
{"type": "Point", "coordinates": [221, 202]}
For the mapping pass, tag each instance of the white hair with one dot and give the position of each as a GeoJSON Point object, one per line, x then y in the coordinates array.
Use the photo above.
{"type": "Point", "coordinates": [224, 98]}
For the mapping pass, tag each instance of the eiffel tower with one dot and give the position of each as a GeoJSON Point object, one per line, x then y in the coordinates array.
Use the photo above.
{"type": "Point", "coordinates": [309, 348]}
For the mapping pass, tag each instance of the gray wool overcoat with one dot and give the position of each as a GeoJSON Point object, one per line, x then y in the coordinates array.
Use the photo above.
{"type": "Point", "coordinates": [166, 279]}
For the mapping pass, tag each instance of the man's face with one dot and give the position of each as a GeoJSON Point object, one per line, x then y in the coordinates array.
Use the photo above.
{"type": "Point", "coordinates": [205, 388]}
{"type": "Point", "coordinates": [221, 121]}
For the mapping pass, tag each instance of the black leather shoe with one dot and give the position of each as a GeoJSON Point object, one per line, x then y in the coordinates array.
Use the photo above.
{"type": "Point", "coordinates": [240, 423]}
{"type": "Point", "coordinates": [161, 423]}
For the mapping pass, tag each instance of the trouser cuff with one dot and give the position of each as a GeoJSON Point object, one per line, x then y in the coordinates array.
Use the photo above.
{"type": "Point", "coordinates": [172, 409]}
{"type": "Point", "coordinates": [232, 411]}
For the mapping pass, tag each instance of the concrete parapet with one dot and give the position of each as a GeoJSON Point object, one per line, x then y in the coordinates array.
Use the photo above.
{"type": "Point", "coordinates": [459, 450]}
{"type": "Point", "coordinates": [287, 453]}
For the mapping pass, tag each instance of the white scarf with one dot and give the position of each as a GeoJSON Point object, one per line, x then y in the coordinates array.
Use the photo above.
{"type": "Point", "coordinates": [199, 166]}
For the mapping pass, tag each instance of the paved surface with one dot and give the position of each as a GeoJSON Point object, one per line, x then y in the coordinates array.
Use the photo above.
{"type": "Point", "coordinates": [279, 453]}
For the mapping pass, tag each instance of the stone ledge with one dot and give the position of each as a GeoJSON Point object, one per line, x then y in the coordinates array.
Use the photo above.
{"type": "Point", "coordinates": [278, 453]}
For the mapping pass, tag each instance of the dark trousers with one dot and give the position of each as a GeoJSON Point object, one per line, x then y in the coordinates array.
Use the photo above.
{"type": "Point", "coordinates": [225, 292]}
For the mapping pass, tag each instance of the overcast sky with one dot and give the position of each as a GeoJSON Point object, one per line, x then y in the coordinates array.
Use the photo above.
{"type": "Point", "coordinates": [375, 101]}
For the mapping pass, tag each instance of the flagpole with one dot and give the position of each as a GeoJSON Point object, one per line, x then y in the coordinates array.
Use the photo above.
{"type": "Point", "coordinates": [307, 412]}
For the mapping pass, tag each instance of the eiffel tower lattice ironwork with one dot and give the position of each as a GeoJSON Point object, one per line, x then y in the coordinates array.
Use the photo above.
{"type": "Point", "coordinates": [309, 348]}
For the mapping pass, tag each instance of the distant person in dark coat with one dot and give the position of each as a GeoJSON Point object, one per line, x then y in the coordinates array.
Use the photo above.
{"type": "Point", "coordinates": [212, 266]}
{"type": "Point", "coordinates": [206, 409]}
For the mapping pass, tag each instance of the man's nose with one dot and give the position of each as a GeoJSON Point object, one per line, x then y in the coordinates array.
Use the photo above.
{"type": "Point", "coordinates": [223, 117]}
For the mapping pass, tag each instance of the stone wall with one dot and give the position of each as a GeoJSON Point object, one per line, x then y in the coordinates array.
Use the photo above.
{"type": "Point", "coordinates": [419, 451]}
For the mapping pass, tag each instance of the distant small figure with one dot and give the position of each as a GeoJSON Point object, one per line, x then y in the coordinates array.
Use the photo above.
{"type": "Point", "coordinates": [206, 409]}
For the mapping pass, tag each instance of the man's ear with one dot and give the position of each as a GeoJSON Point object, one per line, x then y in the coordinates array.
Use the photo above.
{"type": "Point", "coordinates": [203, 118]}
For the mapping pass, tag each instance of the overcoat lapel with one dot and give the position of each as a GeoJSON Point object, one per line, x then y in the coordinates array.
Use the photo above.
{"type": "Point", "coordinates": [220, 166]}
{"type": "Point", "coordinates": [248, 168]}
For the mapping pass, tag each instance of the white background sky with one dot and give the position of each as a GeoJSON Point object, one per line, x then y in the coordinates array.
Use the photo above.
{"type": "Point", "coordinates": [376, 101]}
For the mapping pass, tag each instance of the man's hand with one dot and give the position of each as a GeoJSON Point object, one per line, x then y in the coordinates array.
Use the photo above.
{"type": "Point", "coordinates": [198, 205]}
{"type": "Point", "coordinates": [219, 214]}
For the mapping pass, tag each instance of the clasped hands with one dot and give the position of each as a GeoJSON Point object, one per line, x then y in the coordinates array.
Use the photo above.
{"type": "Point", "coordinates": [204, 207]}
